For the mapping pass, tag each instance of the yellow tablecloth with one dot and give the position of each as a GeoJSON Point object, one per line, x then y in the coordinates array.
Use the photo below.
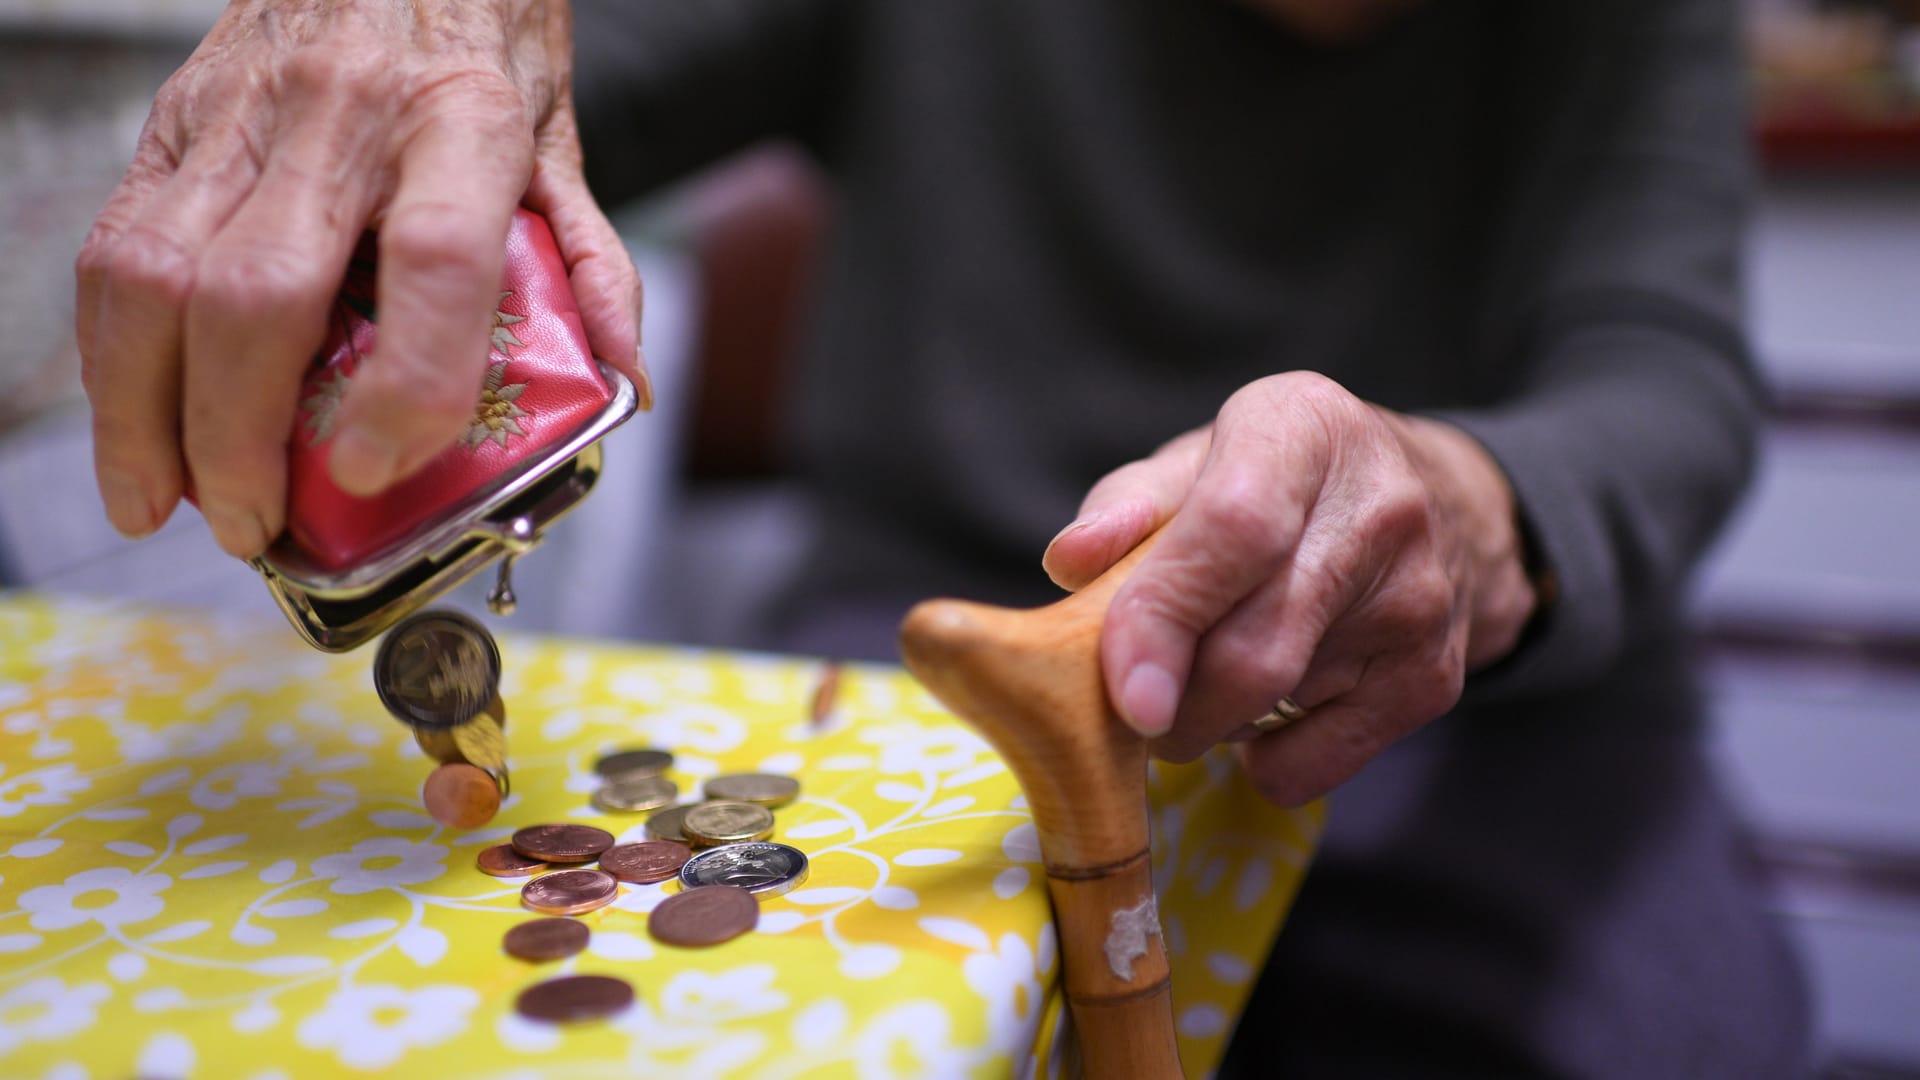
{"type": "Point", "coordinates": [213, 863]}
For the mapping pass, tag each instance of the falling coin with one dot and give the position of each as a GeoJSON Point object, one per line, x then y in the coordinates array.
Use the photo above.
{"type": "Point", "coordinates": [628, 794]}
{"type": "Point", "coordinates": [825, 695]}
{"type": "Point", "coordinates": [665, 825]}
{"type": "Point", "coordinates": [481, 743]}
{"type": "Point", "coordinates": [645, 762]}
{"type": "Point", "coordinates": [574, 997]}
{"type": "Point", "coordinates": [501, 860]}
{"type": "Point", "coordinates": [460, 796]}
{"type": "Point", "coordinates": [646, 862]}
{"type": "Point", "coordinates": [569, 892]}
{"type": "Point", "coordinates": [438, 744]}
{"type": "Point", "coordinates": [541, 940]}
{"type": "Point", "coordinates": [727, 823]}
{"type": "Point", "coordinates": [763, 869]}
{"type": "Point", "coordinates": [705, 916]}
{"type": "Point", "coordinates": [561, 843]}
{"type": "Point", "coordinates": [442, 745]}
{"type": "Point", "coordinates": [762, 789]}
{"type": "Point", "coordinates": [437, 669]}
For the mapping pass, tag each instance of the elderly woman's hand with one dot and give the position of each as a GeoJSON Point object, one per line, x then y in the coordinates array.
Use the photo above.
{"type": "Point", "coordinates": [298, 124]}
{"type": "Point", "coordinates": [1315, 547]}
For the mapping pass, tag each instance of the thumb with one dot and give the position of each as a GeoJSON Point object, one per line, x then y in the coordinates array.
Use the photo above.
{"type": "Point", "coordinates": [1124, 508]}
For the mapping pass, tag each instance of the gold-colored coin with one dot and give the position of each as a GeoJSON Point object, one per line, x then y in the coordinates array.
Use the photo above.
{"type": "Point", "coordinates": [727, 823]}
{"type": "Point", "coordinates": [665, 824]}
{"type": "Point", "coordinates": [763, 789]}
{"type": "Point", "coordinates": [634, 794]}
{"type": "Point", "coordinates": [440, 745]}
{"type": "Point", "coordinates": [481, 742]}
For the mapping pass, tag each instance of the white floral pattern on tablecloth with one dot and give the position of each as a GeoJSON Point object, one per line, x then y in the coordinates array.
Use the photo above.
{"type": "Point", "coordinates": [213, 863]}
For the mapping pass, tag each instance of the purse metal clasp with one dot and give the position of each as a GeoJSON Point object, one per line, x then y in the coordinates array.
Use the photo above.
{"type": "Point", "coordinates": [341, 610]}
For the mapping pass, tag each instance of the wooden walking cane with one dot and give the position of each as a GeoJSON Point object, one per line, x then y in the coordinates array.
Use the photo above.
{"type": "Point", "coordinates": [1030, 682]}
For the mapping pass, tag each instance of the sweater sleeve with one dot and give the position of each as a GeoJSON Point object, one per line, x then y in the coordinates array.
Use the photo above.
{"type": "Point", "coordinates": [663, 87]}
{"type": "Point", "coordinates": [1629, 426]}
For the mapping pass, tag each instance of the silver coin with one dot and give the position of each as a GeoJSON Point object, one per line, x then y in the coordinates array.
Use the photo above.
{"type": "Point", "coordinates": [437, 669]}
{"type": "Point", "coordinates": [633, 794]}
{"type": "Point", "coordinates": [763, 868]}
{"type": "Point", "coordinates": [643, 762]}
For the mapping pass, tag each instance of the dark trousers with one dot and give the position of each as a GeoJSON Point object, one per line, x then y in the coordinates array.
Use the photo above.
{"type": "Point", "coordinates": [1529, 898]}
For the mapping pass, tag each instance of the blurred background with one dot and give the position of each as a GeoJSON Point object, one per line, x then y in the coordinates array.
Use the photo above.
{"type": "Point", "coordinates": [1811, 605]}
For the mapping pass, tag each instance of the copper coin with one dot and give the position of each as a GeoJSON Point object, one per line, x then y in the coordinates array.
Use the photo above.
{"type": "Point", "coordinates": [665, 825]}
{"type": "Point", "coordinates": [705, 916]}
{"type": "Point", "coordinates": [574, 997]}
{"type": "Point", "coordinates": [825, 695]}
{"type": "Point", "coordinates": [763, 789]}
{"type": "Point", "coordinates": [460, 796]}
{"type": "Point", "coordinates": [646, 862]}
{"type": "Point", "coordinates": [569, 892]}
{"type": "Point", "coordinates": [562, 843]}
{"type": "Point", "coordinates": [541, 940]}
{"type": "Point", "coordinates": [629, 794]}
{"type": "Point", "coordinates": [437, 669]}
{"type": "Point", "coordinates": [643, 762]}
{"type": "Point", "coordinates": [501, 860]}
{"type": "Point", "coordinates": [727, 823]}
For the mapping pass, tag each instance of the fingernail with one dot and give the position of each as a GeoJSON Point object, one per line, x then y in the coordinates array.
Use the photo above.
{"type": "Point", "coordinates": [1076, 526]}
{"type": "Point", "coordinates": [1148, 699]}
{"type": "Point", "coordinates": [363, 463]}
{"type": "Point", "coordinates": [127, 506]}
{"type": "Point", "coordinates": [643, 387]}
{"type": "Point", "coordinates": [238, 532]}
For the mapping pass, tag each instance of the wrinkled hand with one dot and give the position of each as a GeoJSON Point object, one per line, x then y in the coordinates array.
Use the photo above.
{"type": "Point", "coordinates": [296, 125]}
{"type": "Point", "coordinates": [1356, 560]}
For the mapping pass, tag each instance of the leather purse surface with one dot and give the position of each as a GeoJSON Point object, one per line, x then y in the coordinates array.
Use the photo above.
{"type": "Point", "coordinates": [541, 386]}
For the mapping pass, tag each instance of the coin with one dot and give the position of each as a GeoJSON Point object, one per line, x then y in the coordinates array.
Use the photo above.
{"type": "Point", "coordinates": [574, 997]}
{"type": "Point", "coordinates": [646, 862]}
{"type": "Point", "coordinates": [441, 745]}
{"type": "Point", "coordinates": [569, 892]}
{"type": "Point", "coordinates": [665, 825]}
{"type": "Point", "coordinates": [460, 796]}
{"type": "Point", "coordinates": [501, 860]}
{"type": "Point", "coordinates": [540, 940]}
{"type": "Point", "coordinates": [628, 794]}
{"type": "Point", "coordinates": [825, 695]}
{"type": "Point", "coordinates": [561, 843]}
{"type": "Point", "coordinates": [764, 869]}
{"type": "Point", "coordinates": [481, 743]}
{"type": "Point", "coordinates": [727, 823]}
{"type": "Point", "coordinates": [705, 916]}
{"type": "Point", "coordinates": [643, 762]}
{"type": "Point", "coordinates": [437, 669]}
{"type": "Point", "coordinates": [438, 744]}
{"type": "Point", "coordinates": [764, 789]}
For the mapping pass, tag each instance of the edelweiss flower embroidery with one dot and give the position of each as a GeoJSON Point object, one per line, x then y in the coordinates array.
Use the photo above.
{"type": "Point", "coordinates": [322, 405]}
{"type": "Point", "coordinates": [503, 337]}
{"type": "Point", "coordinates": [496, 416]}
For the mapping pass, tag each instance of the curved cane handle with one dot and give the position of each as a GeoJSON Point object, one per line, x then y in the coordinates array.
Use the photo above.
{"type": "Point", "coordinates": [1029, 682]}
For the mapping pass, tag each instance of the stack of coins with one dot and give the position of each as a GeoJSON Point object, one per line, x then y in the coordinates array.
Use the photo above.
{"type": "Point", "coordinates": [439, 673]}
{"type": "Point", "coordinates": [634, 781]}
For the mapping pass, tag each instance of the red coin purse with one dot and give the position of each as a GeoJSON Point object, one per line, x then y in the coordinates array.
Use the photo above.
{"type": "Point", "coordinates": [346, 568]}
